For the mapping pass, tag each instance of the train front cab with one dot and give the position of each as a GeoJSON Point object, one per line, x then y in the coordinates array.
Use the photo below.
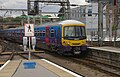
{"type": "Point", "coordinates": [74, 38]}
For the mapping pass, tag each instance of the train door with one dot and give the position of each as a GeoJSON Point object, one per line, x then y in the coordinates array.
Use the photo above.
{"type": "Point", "coordinates": [53, 38]}
{"type": "Point", "coordinates": [47, 35]}
{"type": "Point", "coordinates": [52, 35]}
{"type": "Point", "coordinates": [58, 36]}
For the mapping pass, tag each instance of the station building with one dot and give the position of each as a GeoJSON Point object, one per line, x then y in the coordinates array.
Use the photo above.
{"type": "Point", "coordinates": [88, 14]}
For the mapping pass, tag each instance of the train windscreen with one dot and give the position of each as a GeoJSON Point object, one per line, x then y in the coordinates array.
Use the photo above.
{"type": "Point", "coordinates": [74, 32]}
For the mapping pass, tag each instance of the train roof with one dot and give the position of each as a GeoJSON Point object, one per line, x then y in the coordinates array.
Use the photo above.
{"type": "Point", "coordinates": [65, 22]}
{"type": "Point", "coordinates": [71, 22]}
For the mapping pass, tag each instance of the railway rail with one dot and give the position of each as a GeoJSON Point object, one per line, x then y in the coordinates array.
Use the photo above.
{"type": "Point", "coordinates": [12, 51]}
{"type": "Point", "coordinates": [97, 65]}
{"type": "Point", "coordinates": [91, 62]}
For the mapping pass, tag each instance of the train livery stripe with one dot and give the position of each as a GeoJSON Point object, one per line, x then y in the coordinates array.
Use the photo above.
{"type": "Point", "coordinates": [68, 71]}
{"type": "Point", "coordinates": [4, 65]}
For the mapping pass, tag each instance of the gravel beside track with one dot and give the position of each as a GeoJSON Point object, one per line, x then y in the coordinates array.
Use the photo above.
{"type": "Point", "coordinates": [64, 61]}
{"type": "Point", "coordinates": [76, 67]}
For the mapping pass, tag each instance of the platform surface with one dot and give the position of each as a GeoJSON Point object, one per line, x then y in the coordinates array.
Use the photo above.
{"type": "Point", "coordinates": [39, 71]}
{"type": "Point", "coordinates": [43, 68]}
{"type": "Point", "coordinates": [24, 52]}
{"type": "Point", "coordinates": [106, 48]}
{"type": "Point", "coordinates": [9, 69]}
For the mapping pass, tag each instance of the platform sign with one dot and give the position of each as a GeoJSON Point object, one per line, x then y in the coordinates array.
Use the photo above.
{"type": "Point", "coordinates": [29, 29]}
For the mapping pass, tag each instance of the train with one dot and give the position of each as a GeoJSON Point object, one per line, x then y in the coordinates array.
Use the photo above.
{"type": "Point", "coordinates": [66, 37]}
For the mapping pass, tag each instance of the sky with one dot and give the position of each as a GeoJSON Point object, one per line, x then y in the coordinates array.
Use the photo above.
{"type": "Point", "coordinates": [22, 4]}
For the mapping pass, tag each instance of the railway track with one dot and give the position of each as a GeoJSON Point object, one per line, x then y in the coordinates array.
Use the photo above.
{"type": "Point", "coordinates": [103, 67]}
{"type": "Point", "coordinates": [15, 54]}
{"type": "Point", "coordinates": [97, 65]}
{"type": "Point", "coordinates": [12, 51]}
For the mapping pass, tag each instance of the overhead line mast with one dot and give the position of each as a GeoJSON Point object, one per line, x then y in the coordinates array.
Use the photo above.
{"type": "Point", "coordinates": [32, 11]}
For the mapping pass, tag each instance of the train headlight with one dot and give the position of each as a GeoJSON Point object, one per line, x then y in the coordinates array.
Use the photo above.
{"type": "Point", "coordinates": [68, 43]}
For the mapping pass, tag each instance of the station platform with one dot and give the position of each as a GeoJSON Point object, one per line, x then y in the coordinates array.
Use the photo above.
{"type": "Point", "coordinates": [106, 48]}
{"type": "Point", "coordinates": [107, 55]}
{"type": "Point", "coordinates": [43, 68]}
{"type": "Point", "coordinates": [24, 52]}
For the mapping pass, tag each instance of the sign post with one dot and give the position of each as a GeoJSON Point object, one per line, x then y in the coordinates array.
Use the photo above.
{"type": "Point", "coordinates": [29, 32]}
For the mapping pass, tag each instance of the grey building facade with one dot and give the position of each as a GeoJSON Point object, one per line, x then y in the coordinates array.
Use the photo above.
{"type": "Point", "coordinates": [88, 14]}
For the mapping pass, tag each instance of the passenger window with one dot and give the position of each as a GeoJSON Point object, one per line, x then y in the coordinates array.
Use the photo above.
{"type": "Point", "coordinates": [40, 33]}
{"type": "Point", "coordinates": [52, 33]}
{"type": "Point", "coordinates": [43, 33]}
{"type": "Point", "coordinates": [22, 34]}
{"type": "Point", "coordinates": [35, 33]}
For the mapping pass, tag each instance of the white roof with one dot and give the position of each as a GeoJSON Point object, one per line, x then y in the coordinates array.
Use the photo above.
{"type": "Point", "coordinates": [71, 22]}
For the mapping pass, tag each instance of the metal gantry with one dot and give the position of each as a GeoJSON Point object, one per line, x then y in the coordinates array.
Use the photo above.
{"type": "Point", "coordinates": [59, 2]}
{"type": "Point", "coordinates": [31, 4]}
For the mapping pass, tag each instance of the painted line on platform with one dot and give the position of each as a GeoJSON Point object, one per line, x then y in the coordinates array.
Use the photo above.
{"type": "Point", "coordinates": [68, 71]}
{"type": "Point", "coordinates": [4, 65]}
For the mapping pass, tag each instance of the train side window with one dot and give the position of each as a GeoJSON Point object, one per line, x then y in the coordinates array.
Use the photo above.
{"type": "Point", "coordinates": [22, 33]}
{"type": "Point", "coordinates": [43, 32]}
{"type": "Point", "coordinates": [40, 33]}
{"type": "Point", "coordinates": [52, 33]}
{"type": "Point", "coordinates": [35, 33]}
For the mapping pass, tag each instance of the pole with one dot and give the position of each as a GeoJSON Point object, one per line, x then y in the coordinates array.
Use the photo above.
{"type": "Point", "coordinates": [34, 19]}
{"type": "Point", "coordinates": [110, 29]}
{"type": "Point", "coordinates": [29, 54]}
{"type": "Point", "coordinates": [29, 50]}
{"type": "Point", "coordinates": [40, 16]}
{"type": "Point", "coordinates": [115, 21]}
{"type": "Point", "coordinates": [68, 10]}
{"type": "Point", "coordinates": [64, 13]}
{"type": "Point", "coordinates": [100, 23]}
{"type": "Point", "coordinates": [22, 21]}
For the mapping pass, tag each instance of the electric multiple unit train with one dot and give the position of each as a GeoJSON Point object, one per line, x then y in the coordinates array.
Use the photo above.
{"type": "Point", "coordinates": [67, 36]}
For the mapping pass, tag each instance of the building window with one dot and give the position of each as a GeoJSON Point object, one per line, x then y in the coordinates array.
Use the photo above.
{"type": "Point", "coordinates": [83, 12]}
{"type": "Point", "coordinates": [89, 12]}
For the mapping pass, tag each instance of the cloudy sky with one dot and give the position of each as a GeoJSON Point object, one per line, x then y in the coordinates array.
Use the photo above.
{"type": "Point", "coordinates": [22, 4]}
